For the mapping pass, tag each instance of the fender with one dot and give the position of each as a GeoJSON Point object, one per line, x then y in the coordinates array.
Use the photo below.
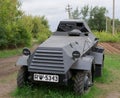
{"type": "Point", "coordinates": [22, 61]}
{"type": "Point", "coordinates": [84, 63]}
{"type": "Point", "coordinates": [98, 53]}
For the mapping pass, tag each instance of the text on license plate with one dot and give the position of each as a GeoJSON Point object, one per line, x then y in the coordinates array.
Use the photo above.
{"type": "Point", "coordinates": [46, 77]}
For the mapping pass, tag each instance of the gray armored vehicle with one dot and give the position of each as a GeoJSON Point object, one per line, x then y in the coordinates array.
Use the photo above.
{"type": "Point", "coordinates": [71, 53]}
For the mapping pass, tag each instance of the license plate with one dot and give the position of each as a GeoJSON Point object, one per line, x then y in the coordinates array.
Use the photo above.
{"type": "Point", "coordinates": [46, 77]}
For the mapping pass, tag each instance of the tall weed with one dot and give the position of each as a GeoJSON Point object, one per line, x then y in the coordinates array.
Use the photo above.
{"type": "Point", "coordinates": [107, 37]}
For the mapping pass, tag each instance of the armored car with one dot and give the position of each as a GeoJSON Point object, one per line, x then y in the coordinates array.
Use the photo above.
{"type": "Point", "coordinates": [71, 53]}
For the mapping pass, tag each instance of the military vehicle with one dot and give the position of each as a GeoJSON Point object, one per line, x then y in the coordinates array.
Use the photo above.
{"type": "Point", "coordinates": [71, 53]}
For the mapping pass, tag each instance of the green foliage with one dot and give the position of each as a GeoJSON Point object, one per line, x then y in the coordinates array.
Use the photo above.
{"type": "Point", "coordinates": [14, 29]}
{"type": "Point", "coordinates": [117, 25]}
{"type": "Point", "coordinates": [17, 29]}
{"type": "Point", "coordinates": [97, 18]}
{"type": "Point", "coordinates": [9, 13]}
{"type": "Point", "coordinates": [107, 37]}
{"type": "Point", "coordinates": [24, 28]}
{"type": "Point", "coordinates": [40, 29]}
{"type": "Point", "coordinates": [76, 13]}
{"type": "Point", "coordinates": [109, 25]}
{"type": "Point", "coordinates": [94, 16]}
{"type": "Point", "coordinates": [81, 14]}
{"type": "Point", "coordinates": [44, 21]}
{"type": "Point", "coordinates": [43, 35]}
{"type": "Point", "coordinates": [85, 12]}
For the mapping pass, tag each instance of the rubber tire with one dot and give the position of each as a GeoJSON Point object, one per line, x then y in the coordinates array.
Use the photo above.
{"type": "Point", "coordinates": [79, 82]}
{"type": "Point", "coordinates": [22, 77]}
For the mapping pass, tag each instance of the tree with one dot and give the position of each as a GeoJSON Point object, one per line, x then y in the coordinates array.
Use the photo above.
{"type": "Point", "coordinates": [85, 12]}
{"type": "Point", "coordinates": [117, 25]}
{"type": "Point", "coordinates": [76, 13]}
{"type": "Point", "coordinates": [9, 14]}
{"type": "Point", "coordinates": [44, 21]}
{"type": "Point", "coordinates": [109, 24]}
{"type": "Point", "coordinates": [97, 18]}
{"type": "Point", "coordinates": [18, 29]}
{"type": "Point", "coordinates": [81, 14]}
{"type": "Point", "coordinates": [39, 24]}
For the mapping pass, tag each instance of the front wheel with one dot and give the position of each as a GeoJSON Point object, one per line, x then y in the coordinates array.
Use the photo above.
{"type": "Point", "coordinates": [22, 77]}
{"type": "Point", "coordinates": [82, 81]}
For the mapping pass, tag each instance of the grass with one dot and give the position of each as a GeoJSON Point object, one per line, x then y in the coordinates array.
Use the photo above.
{"type": "Point", "coordinates": [111, 64]}
{"type": "Point", "coordinates": [10, 53]}
{"type": "Point", "coordinates": [52, 92]}
{"type": "Point", "coordinates": [15, 52]}
{"type": "Point", "coordinates": [107, 37]}
{"type": "Point", "coordinates": [110, 76]}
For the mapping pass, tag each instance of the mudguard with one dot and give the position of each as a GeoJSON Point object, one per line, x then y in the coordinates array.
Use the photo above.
{"type": "Point", "coordinates": [22, 61]}
{"type": "Point", "coordinates": [84, 63]}
{"type": "Point", "coordinates": [98, 53]}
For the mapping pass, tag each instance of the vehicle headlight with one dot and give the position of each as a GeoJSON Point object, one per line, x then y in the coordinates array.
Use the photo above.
{"type": "Point", "coordinates": [26, 51]}
{"type": "Point", "coordinates": [76, 54]}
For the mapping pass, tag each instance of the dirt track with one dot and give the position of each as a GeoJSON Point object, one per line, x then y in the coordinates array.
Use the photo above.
{"type": "Point", "coordinates": [8, 71]}
{"type": "Point", "coordinates": [112, 48]}
{"type": "Point", "coordinates": [7, 76]}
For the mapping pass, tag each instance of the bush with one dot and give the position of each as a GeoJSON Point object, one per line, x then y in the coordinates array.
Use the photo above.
{"type": "Point", "coordinates": [9, 25]}
{"type": "Point", "coordinates": [19, 29]}
{"type": "Point", "coordinates": [107, 37]}
{"type": "Point", "coordinates": [40, 28]}
{"type": "Point", "coordinates": [16, 34]}
{"type": "Point", "coordinates": [43, 34]}
{"type": "Point", "coordinates": [24, 29]}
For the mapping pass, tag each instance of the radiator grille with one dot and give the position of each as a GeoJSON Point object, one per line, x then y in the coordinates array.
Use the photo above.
{"type": "Point", "coordinates": [47, 61]}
